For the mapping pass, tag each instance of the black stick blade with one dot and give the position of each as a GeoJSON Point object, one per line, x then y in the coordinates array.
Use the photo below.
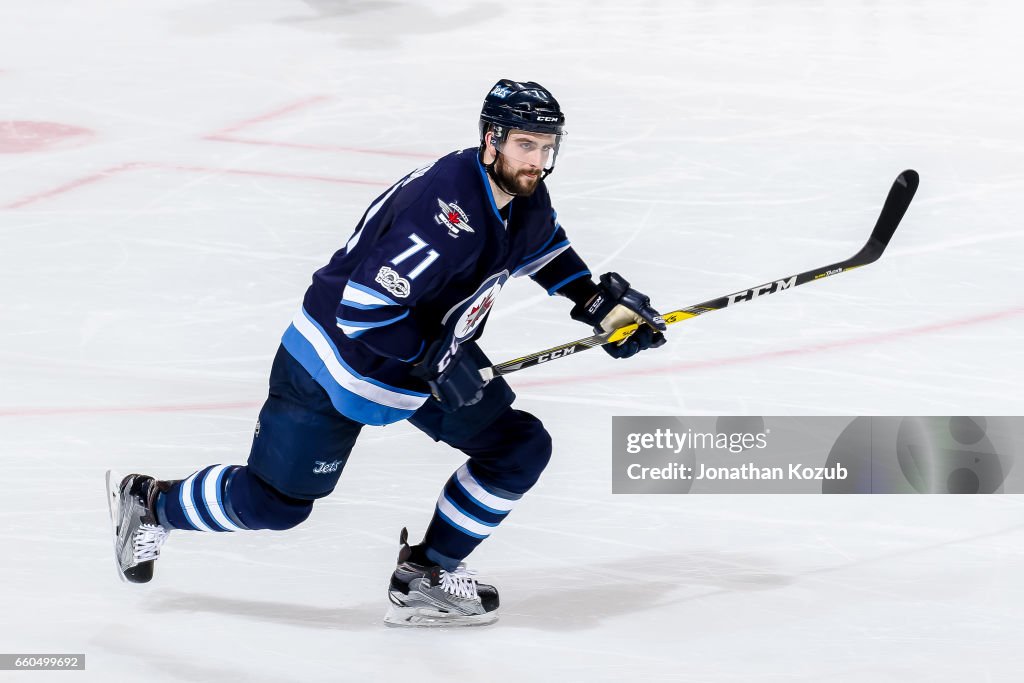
{"type": "Point", "coordinates": [896, 204]}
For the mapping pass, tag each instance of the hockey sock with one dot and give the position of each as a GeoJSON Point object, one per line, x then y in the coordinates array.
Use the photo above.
{"type": "Point", "coordinates": [467, 512]}
{"type": "Point", "coordinates": [228, 498]}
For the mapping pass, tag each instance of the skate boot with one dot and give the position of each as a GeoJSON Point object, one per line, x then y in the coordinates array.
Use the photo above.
{"type": "Point", "coordinates": [137, 533]}
{"type": "Point", "coordinates": [423, 594]}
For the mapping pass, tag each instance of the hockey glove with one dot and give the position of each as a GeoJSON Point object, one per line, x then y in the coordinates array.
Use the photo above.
{"type": "Point", "coordinates": [615, 305]}
{"type": "Point", "coordinates": [454, 378]}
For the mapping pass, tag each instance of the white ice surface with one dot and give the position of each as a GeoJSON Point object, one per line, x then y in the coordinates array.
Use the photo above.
{"type": "Point", "coordinates": [148, 270]}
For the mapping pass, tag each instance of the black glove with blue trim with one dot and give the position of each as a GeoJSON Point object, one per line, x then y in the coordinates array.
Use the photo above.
{"type": "Point", "coordinates": [616, 305]}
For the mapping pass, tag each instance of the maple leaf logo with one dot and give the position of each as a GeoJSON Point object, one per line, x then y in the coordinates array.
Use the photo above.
{"type": "Point", "coordinates": [480, 310]}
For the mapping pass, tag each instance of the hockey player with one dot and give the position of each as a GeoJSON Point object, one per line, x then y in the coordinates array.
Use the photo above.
{"type": "Point", "coordinates": [386, 332]}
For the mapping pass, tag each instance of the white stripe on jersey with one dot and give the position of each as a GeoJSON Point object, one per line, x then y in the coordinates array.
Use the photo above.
{"type": "Point", "coordinates": [361, 296]}
{"type": "Point", "coordinates": [383, 200]}
{"type": "Point", "coordinates": [534, 266]}
{"type": "Point", "coordinates": [351, 330]}
{"type": "Point", "coordinates": [344, 377]}
{"type": "Point", "coordinates": [369, 215]}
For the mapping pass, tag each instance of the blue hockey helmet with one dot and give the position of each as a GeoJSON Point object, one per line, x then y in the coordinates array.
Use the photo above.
{"type": "Point", "coordinates": [520, 105]}
{"type": "Point", "coordinates": [525, 106]}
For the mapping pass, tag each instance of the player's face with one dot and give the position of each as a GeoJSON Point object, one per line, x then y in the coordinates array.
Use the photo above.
{"type": "Point", "coordinates": [522, 161]}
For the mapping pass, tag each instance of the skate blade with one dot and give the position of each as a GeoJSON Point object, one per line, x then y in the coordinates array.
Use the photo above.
{"type": "Point", "coordinates": [423, 617]}
{"type": "Point", "coordinates": [113, 503]}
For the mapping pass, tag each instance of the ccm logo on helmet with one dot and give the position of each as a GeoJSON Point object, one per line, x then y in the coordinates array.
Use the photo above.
{"type": "Point", "coordinates": [547, 118]}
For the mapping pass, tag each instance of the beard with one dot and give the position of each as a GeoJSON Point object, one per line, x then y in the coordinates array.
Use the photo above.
{"type": "Point", "coordinates": [521, 183]}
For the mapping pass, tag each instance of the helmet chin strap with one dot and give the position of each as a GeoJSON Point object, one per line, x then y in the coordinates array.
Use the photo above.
{"type": "Point", "coordinates": [494, 175]}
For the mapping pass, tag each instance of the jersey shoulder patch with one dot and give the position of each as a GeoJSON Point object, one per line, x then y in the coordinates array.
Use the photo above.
{"type": "Point", "coordinates": [452, 217]}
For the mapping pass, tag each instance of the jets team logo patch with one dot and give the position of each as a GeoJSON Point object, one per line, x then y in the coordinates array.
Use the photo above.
{"type": "Point", "coordinates": [477, 312]}
{"type": "Point", "coordinates": [396, 285]}
{"type": "Point", "coordinates": [473, 313]}
{"type": "Point", "coordinates": [453, 217]}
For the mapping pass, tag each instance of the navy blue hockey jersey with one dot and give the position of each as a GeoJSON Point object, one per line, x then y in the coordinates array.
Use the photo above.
{"type": "Point", "coordinates": [426, 262]}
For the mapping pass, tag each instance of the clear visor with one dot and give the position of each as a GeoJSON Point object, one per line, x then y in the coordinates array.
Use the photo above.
{"type": "Point", "coordinates": [531, 149]}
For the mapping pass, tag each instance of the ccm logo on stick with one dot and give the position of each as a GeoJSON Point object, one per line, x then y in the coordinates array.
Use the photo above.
{"type": "Point", "coordinates": [770, 288]}
{"type": "Point", "coordinates": [545, 357]}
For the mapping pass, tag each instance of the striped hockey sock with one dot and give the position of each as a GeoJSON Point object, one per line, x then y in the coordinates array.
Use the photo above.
{"type": "Point", "coordinates": [199, 503]}
{"type": "Point", "coordinates": [467, 512]}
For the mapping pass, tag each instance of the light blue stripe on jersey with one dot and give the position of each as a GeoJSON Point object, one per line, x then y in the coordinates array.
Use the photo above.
{"type": "Point", "coordinates": [567, 280]}
{"type": "Point", "coordinates": [361, 307]}
{"type": "Point", "coordinates": [360, 398]}
{"type": "Point", "coordinates": [415, 355]}
{"type": "Point", "coordinates": [337, 356]}
{"type": "Point", "coordinates": [554, 232]}
{"type": "Point", "coordinates": [377, 296]}
{"type": "Point", "coordinates": [487, 186]}
{"type": "Point", "coordinates": [536, 264]}
{"type": "Point", "coordinates": [364, 324]}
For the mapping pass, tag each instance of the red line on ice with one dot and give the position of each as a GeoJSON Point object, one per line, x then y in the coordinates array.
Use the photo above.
{"type": "Point", "coordinates": [27, 137]}
{"type": "Point", "coordinates": [135, 166]}
{"type": "Point", "coordinates": [320, 148]}
{"type": "Point", "coordinates": [228, 134]}
{"type": "Point", "coordinates": [111, 410]}
{"type": "Point", "coordinates": [269, 116]}
{"type": "Point", "coordinates": [67, 187]}
{"type": "Point", "coordinates": [580, 379]}
{"type": "Point", "coordinates": [274, 174]}
{"type": "Point", "coordinates": [866, 340]}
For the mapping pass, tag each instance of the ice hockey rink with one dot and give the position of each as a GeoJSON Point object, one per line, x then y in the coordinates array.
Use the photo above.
{"type": "Point", "coordinates": [173, 173]}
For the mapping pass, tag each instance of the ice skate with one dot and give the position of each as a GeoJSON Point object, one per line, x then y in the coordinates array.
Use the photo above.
{"type": "Point", "coordinates": [137, 533]}
{"type": "Point", "coordinates": [425, 595]}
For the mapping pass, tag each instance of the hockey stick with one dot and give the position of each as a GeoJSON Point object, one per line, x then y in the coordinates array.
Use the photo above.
{"type": "Point", "coordinates": [895, 206]}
